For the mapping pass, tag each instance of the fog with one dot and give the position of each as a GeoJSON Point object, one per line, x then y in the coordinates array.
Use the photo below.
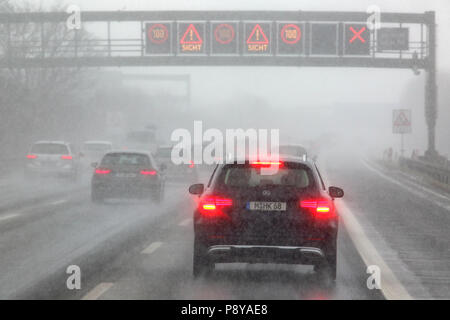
{"type": "Point", "coordinates": [342, 115]}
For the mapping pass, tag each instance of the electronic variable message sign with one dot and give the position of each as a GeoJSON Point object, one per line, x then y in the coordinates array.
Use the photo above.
{"type": "Point", "coordinates": [224, 39]}
{"type": "Point", "coordinates": [191, 38]}
{"type": "Point", "coordinates": [357, 39]}
{"type": "Point", "coordinates": [324, 39]}
{"type": "Point", "coordinates": [159, 38]}
{"type": "Point", "coordinates": [290, 38]}
{"type": "Point", "coordinates": [393, 39]}
{"type": "Point", "coordinates": [283, 38]}
{"type": "Point", "coordinates": [257, 37]}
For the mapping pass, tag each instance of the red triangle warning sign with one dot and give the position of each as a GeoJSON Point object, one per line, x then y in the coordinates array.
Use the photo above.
{"type": "Point", "coordinates": [191, 36]}
{"type": "Point", "coordinates": [257, 36]}
{"type": "Point", "coordinates": [401, 120]}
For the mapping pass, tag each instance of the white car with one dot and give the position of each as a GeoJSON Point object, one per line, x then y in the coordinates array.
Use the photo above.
{"type": "Point", "coordinates": [52, 159]}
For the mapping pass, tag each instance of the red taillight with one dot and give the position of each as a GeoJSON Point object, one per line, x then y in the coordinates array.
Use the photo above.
{"type": "Point", "coordinates": [148, 172]}
{"type": "Point", "coordinates": [213, 206]}
{"type": "Point", "coordinates": [66, 157]}
{"type": "Point", "coordinates": [102, 171]}
{"type": "Point", "coordinates": [320, 208]}
{"type": "Point", "coordinates": [31, 156]}
{"type": "Point", "coordinates": [266, 164]}
{"type": "Point", "coordinates": [191, 164]}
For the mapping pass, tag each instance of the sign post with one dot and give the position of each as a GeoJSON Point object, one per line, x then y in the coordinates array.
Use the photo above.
{"type": "Point", "coordinates": [401, 124]}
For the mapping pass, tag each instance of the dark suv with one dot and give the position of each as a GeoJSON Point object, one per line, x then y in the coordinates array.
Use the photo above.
{"type": "Point", "coordinates": [247, 215]}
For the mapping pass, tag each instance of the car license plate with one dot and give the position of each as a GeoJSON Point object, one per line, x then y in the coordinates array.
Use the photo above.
{"type": "Point", "coordinates": [266, 206]}
{"type": "Point", "coordinates": [125, 175]}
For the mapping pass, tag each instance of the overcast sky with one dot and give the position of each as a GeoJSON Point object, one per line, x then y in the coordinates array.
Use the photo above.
{"type": "Point", "coordinates": [295, 87]}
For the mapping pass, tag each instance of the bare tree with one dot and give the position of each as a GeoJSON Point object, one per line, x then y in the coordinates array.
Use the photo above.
{"type": "Point", "coordinates": [38, 101]}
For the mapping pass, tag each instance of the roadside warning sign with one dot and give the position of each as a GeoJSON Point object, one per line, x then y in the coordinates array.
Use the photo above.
{"type": "Point", "coordinates": [192, 35]}
{"type": "Point", "coordinates": [257, 37]}
{"type": "Point", "coordinates": [401, 121]}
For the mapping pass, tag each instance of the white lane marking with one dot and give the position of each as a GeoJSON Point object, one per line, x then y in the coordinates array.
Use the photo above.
{"type": "Point", "coordinates": [410, 189]}
{"type": "Point", "coordinates": [55, 203]}
{"type": "Point", "coordinates": [98, 291]}
{"type": "Point", "coordinates": [152, 248]}
{"type": "Point", "coordinates": [390, 286]}
{"type": "Point", "coordinates": [415, 182]}
{"type": "Point", "coordinates": [408, 181]}
{"type": "Point", "coordinates": [9, 216]}
{"type": "Point", "coordinates": [185, 222]}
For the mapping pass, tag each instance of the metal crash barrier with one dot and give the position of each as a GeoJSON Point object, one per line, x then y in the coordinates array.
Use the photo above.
{"type": "Point", "coordinates": [440, 173]}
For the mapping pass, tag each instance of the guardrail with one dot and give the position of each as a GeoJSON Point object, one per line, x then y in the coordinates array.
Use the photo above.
{"type": "Point", "coordinates": [440, 173]}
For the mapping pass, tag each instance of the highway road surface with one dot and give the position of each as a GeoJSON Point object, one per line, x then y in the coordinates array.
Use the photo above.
{"type": "Point", "coordinates": [139, 250]}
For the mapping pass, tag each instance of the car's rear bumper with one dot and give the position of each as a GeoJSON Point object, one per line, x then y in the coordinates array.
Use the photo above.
{"type": "Point", "coordinates": [137, 190]}
{"type": "Point", "coordinates": [265, 254]}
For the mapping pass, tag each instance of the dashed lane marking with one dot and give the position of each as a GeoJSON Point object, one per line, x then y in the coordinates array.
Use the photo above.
{"type": "Point", "coordinates": [152, 248]}
{"type": "Point", "coordinates": [9, 216]}
{"type": "Point", "coordinates": [185, 222]}
{"type": "Point", "coordinates": [58, 202]}
{"type": "Point", "coordinates": [98, 291]}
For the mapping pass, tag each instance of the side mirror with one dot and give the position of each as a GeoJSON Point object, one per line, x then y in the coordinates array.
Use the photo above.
{"type": "Point", "coordinates": [197, 189]}
{"type": "Point", "coordinates": [163, 167]}
{"type": "Point", "coordinates": [94, 164]}
{"type": "Point", "coordinates": [336, 192]}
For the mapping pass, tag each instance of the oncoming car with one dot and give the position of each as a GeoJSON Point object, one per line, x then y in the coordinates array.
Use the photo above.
{"type": "Point", "coordinates": [245, 215]}
{"type": "Point", "coordinates": [127, 174]}
{"type": "Point", "coordinates": [52, 159]}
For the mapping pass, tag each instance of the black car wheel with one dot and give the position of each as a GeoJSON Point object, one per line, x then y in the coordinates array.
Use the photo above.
{"type": "Point", "coordinates": [202, 265]}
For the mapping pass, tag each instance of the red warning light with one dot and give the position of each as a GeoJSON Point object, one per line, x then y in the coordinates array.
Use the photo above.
{"type": "Point", "coordinates": [158, 33]}
{"type": "Point", "coordinates": [257, 36]}
{"type": "Point", "coordinates": [191, 36]}
{"type": "Point", "coordinates": [357, 34]}
{"type": "Point", "coordinates": [224, 33]}
{"type": "Point", "coordinates": [291, 33]}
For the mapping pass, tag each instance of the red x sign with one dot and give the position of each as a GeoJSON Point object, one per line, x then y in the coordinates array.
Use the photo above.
{"type": "Point", "coordinates": [357, 34]}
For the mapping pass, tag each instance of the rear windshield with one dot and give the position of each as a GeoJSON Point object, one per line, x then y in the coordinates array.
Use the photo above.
{"type": "Point", "coordinates": [126, 159]}
{"type": "Point", "coordinates": [246, 176]}
{"type": "Point", "coordinates": [97, 147]}
{"type": "Point", "coordinates": [50, 148]}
